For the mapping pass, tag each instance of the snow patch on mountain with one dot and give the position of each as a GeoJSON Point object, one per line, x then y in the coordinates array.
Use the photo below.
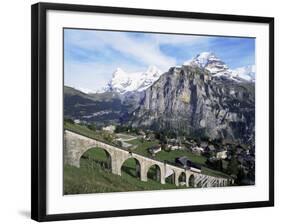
{"type": "Point", "coordinates": [217, 68]}
{"type": "Point", "coordinates": [247, 72]}
{"type": "Point", "coordinates": [208, 61]}
{"type": "Point", "coordinates": [123, 82]}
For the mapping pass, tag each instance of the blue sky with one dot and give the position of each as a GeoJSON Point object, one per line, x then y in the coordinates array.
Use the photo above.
{"type": "Point", "coordinates": [91, 56]}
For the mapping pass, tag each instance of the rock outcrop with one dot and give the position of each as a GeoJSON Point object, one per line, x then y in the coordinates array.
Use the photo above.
{"type": "Point", "coordinates": [190, 100]}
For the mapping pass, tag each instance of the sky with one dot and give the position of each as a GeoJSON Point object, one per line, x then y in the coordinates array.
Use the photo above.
{"type": "Point", "coordinates": [91, 56]}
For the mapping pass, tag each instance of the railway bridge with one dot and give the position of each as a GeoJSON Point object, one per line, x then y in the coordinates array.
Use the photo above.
{"type": "Point", "coordinates": [75, 145]}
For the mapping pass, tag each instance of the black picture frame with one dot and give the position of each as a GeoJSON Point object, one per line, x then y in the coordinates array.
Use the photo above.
{"type": "Point", "coordinates": [39, 107]}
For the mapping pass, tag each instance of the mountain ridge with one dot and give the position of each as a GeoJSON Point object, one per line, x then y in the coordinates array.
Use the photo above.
{"type": "Point", "coordinates": [218, 68]}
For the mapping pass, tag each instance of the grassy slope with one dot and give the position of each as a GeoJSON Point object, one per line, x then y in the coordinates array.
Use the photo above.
{"type": "Point", "coordinates": [93, 177]}
{"type": "Point", "coordinates": [83, 130]}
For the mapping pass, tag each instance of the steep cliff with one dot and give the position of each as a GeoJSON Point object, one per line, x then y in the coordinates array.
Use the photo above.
{"type": "Point", "coordinates": [189, 100]}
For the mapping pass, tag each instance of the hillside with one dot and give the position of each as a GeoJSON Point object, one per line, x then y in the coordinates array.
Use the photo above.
{"type": "Point", "coordinates": [92, 177]}
{"type": "Point", "coordinates": [101, 108]}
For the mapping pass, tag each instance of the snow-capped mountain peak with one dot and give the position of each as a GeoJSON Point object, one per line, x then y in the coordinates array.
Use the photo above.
{"type": "Point", "coordinates": [217, 68]}
{"type": "Point", "coordinates": [208, 61]}
{"type": "Point", "coordinates": [123, 82]}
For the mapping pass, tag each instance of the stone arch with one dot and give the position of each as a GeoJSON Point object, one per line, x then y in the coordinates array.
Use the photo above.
{"type": "Point", "coordinates": [154, 172]}
{"type": "Point", "coordinates": [76, 145]}
{"type": "Point", "coordinates": [131, 166]}
{"type": "Point", "coordinates": [182, 178]}
{"type": "Point", "coordinates": [98, 155]}
{"type": "Point", "coordinates": [191, 181]}
{"type": "Point", "coordinates": [171, 176]}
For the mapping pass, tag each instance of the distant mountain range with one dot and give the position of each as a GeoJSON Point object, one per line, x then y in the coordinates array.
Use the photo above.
{"type": "Point", "coordinates": [123, 82]}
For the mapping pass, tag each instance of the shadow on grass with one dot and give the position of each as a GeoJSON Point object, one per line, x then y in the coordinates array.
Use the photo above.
{"type": "Point", "coordinates": [130, 171]}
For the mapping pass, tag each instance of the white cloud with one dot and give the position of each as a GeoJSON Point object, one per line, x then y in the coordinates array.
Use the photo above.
{"type": "Point", "coordinates": [144, 50]}
{"type": "Point", "coordinates": [95, 73]}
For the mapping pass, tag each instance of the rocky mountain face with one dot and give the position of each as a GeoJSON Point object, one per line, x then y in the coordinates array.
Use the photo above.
{"type": "Point", "coordinates": [194, 100]}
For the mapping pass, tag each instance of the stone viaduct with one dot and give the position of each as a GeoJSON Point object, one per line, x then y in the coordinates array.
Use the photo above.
{"type": "Point", "coordinates": [75, 145]}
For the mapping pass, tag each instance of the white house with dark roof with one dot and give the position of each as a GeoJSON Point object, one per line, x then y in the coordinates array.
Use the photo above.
{"type": "Point", "coordinates": [155, 149]}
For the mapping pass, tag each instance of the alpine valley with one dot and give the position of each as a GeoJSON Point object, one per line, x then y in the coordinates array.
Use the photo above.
{"type": "Point", "coordinates": [201, 98]}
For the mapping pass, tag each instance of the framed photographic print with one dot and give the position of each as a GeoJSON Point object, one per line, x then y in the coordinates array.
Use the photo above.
{"type": "Point", "coordinates": [139, 111]}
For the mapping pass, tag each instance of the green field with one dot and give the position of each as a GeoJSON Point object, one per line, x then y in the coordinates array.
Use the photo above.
{"type": "Point", "coordinates": [164, 155]}
{"type": "Point", "coordinates": [171, 156]}
{"type": "Point", "coordinates": [93, 176]}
